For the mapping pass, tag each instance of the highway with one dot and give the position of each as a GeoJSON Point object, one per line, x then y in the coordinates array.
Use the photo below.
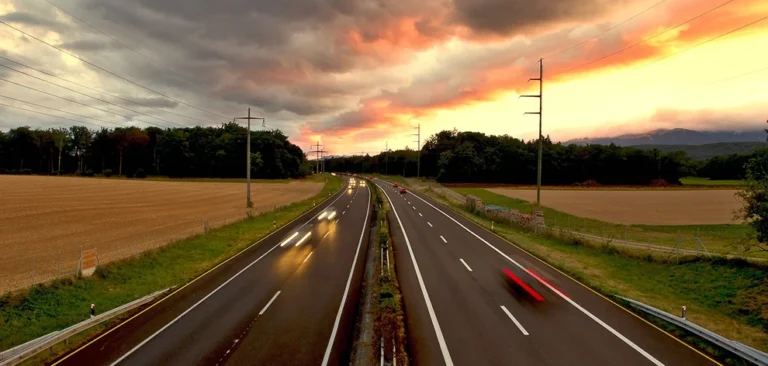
{"type": "Point", "coordinates": [290, 299]}
{"type": "Point", "coordinates": [461, 311]}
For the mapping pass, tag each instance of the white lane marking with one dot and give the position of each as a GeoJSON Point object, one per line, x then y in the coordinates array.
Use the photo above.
{"type": "Point", "coordinates": [430, 224]}
{"type": "Point", "coordinates": [346, 289]}
{"type": "Point", "coordinates": [269, 303]}
{"type": "Point", "coordinates": [519, 326]}
{"type": "Point", "coordinates": [421, 214]}
{"type": "Point", "coordinates": [444, 241]}
{"type": "Point", "coordinates": [326, 234]}
{"type": "Point", "coordinates": [337, 220]}
{"type": "Point", "coordinates": [214, 290]}
{"type": "Point", "coordinates": [305, 259]}
{"type": "Point", "coordinates": [465, 265]}
{"type": "Point", "coordinates": [566, 298]}
{"type": "Point", "coordinates": [430, 309]}
{"type": "Point", "coordinates": [344, 212]}
{"type": "Point", "coordinates": [414, 207]}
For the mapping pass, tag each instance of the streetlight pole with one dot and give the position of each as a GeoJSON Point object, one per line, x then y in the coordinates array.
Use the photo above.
{"type": "Point", "coordinates": [418, 146]}
{"type": "Point", "coordinates": [248, 202]}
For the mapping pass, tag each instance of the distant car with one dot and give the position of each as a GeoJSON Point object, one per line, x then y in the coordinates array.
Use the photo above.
{"type": "Point", "coordinates": [395, 185]}
{"type": "Point", "coordinates": [403, 190]}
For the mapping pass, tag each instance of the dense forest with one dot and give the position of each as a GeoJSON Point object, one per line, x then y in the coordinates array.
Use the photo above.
{"type": "Point", "coordinates": [176, 152]}
{"type": "Point", "coordinates": [452, 156]}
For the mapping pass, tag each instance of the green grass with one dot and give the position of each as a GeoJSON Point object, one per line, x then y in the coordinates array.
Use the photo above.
{"type": "Point", "coordinates": [725, 296]}
{"type": "Point", "coordinates": [392, 178]}
{"type": "Point", "coordinates": [47, 308]}
{"type": "Point", "coordinates": [723, 239]}
{"type": "Point", "coordinates": [700, 181]}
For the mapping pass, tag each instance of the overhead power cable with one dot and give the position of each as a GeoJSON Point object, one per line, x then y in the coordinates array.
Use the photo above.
{"type": "Point", "coordinates": [605, 31]}
{"type": "Point", "coordinates": [643, 41]}
{"type": "Point", "coordinates": [76, 102]}
{"type": "Point", "coordinates": [100, 91]}
{"type": "Point", "coordinates": [107, 71]}
{"type": "Point", "coordinates": [89, 96]}
{"type": "Point", "coordinates": [48, 114]}
{"type": "Point", "coordinates": [126, 46]}
{"type": "Point", "coordinates": [59, 110]}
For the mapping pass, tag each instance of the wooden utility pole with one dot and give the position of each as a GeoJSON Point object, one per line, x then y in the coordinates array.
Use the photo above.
{"type": "Point", "coordinates": [248, 202]}
{"type": "Point", "coordinates": [540, 79]}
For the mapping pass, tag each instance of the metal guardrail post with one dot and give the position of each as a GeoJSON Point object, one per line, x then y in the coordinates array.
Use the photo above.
{"type": "Point", "coordinates": [745, 352]}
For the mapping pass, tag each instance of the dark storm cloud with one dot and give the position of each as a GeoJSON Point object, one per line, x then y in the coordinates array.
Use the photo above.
{"type": "Point", "coordinates": [503, 17]}
{"type": "Point", "coordinates": [89, 45]}
{"type": "Point", "coordinates": [29, 19]}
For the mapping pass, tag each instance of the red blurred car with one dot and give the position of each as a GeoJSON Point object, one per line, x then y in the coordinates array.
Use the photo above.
{"type": "Point", "coordinates": [403, 190]}
{"type": "Point", "coordinates": [395, 185]}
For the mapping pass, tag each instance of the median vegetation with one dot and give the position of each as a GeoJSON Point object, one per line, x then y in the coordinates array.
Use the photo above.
{"type": "Point", "coordinates": [728, 297]}
{"type": "Point", "coordinates": [46, 308]}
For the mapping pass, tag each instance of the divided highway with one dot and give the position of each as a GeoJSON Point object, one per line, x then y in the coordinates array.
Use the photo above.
{"type": "Point", "coordinates": [291, 299]}
{"type": "Point", "coordinates": [461, 311]}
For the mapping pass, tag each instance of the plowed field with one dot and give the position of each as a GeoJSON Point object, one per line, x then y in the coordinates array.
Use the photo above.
{"type": "Point", "coordinates": [44, 221]}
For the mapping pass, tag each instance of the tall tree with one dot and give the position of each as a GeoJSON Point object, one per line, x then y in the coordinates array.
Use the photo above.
{"type": "Point", "coordinates": [81, 139]}
{"type": "Point", "coordinates": [754, 195]}
{"type": "Point", "coordinates": [60, 138]}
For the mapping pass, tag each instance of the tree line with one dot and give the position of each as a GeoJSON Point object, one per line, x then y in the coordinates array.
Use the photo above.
{"type": "Point", "coordinates": [131, 151]}
{"type": "Point", "coordinates": [473, 157]}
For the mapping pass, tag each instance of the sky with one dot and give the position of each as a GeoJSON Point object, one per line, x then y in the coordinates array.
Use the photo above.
{"type": "Point", "coordinates": [358, 75]}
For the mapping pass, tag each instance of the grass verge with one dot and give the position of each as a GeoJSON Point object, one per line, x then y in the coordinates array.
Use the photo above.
{"type": "Point", "coordinates": [46, 308]}
{"type": "Point", "coordinates": [729, 297]}
{"type": "Point", "coordinates": [701, 181]}
{"type": "Point", "coordinates": [723, 239]}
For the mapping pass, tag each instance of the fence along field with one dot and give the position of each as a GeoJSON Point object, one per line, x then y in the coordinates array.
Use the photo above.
{"type": "Point", "coordinates": [45, 221]}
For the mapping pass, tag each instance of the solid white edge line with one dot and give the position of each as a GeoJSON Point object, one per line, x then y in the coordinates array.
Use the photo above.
{"type": "Point", "coordinates": [444, 241]}
{"type": "Point", "coordinates": [519, 326]}
{"type": "Point", "coordinates": [270, 302]}
{"type": "Point", "coordinates": [566, 298]}
{"type": "Point", "coordinates": [346, 289]}
{"type": "Point", "coordinates": [430, 309]}
{"type": "Point", "coordinates": [212, 292]}
{"type": "Point", "coordinates": [309, 255]}
{"type": "Point", "coordinates": [465, 265]}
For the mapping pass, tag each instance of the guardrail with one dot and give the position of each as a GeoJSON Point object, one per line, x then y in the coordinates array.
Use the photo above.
{"type": "Point", "coordinates": [745, 352]}
{"type": "Point", "coordinates": [24, 351]}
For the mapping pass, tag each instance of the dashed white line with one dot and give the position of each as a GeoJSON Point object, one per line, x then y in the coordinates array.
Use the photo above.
{"type": "Point", "coordinates": [414, 207]}
{"type": "Point", "coordinates": [344, 212]}
{"type": "Point", "coordinates": [566, 298]}
{"type": "Point", "coordinates": [430, 224]}
{"type": "Point", "coordinates": [444, 241]}
{"type": "Point", "coordinates": [337, 220]}
{"type": "Point", "coordinates": [465, 265]}
{"type": "Point", "coordinates": [269, 303]}
{"type": "Point", "coordinates": [421, 214]}
{"type": "Point", "coordinates": [326, 234]}
{"type": "Point", "coordinates": [310, 254]}
{"type": "Point", "coordinates": [519, 326]}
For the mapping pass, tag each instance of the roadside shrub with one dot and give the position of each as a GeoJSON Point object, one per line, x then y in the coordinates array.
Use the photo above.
{"type": "Point", "coordinates": [25, 171]}
{"type": "Point", "coordinates": [88, 173]}
{"type": "Point", "coordinates": [107, 172]}
{"type": "Point", "coordinates": [140, 173]}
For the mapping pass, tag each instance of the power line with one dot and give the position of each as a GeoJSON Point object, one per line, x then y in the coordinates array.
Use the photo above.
{"type": "Point", "coordinates": [708, 40]}
{"type": "Point", "coordinates": [125, 45]}
{"type": "Point", "coordinates": [605, 31]}
{"type": "Point", "coordinates": [59, 110]}
{"type": "Point", "coordinates": [48, 114]}
{"type": "Point", "coordinates": [107, 71]}
{"type": "Point", "coordinates": [99, 91]}
{"type": "Point", "coordinates": [89, 96]}
{"type": "Point", "coordinates": [644, 40]}
{"type": "Point", "coordinates": [733, 77]}
{"type": "Point", "coordinates": [76, 102]}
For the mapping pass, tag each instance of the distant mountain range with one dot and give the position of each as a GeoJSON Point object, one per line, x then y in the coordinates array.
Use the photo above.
{"type": "Point", "coordinates": [677, 136]}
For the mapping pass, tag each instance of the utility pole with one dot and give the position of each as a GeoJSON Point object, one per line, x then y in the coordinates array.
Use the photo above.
{"type": "Point", "coordinates": [248, 202]}
{"type": "Point", "coordinates": [362, 162]}
{"type": "Point", "coordinates": [386, 159]}
{"type": "Point", "coordinates": [418, 146]}
{"type": "Point", "coordinates": [317, 152]}
{"type": "Point", "coordinates": [540, 79]}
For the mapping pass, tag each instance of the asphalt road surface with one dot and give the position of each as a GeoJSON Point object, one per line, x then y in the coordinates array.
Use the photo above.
{"type": "Point", "coordinates": [290, 299]}
{"type": "Point", "coordinates": [460, 310]}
